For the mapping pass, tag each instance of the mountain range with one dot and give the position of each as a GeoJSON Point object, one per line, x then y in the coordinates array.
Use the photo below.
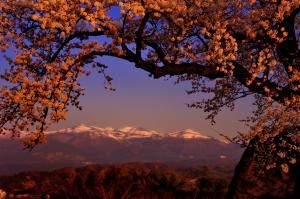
{"type": "Point", "coordinates": [83, 145]}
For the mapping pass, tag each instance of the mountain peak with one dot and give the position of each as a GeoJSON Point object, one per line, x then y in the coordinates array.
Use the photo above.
{"type": "Point", "coordinates": [127, 129]}
{"type": "Point", "coordinates": [130, 132]}
{"type": "Point", "coordinates": [82, 128]}
{"type": "Point", "coordinates": [188, 134]}
{"type": "Point", "coordinates": [82, 125]}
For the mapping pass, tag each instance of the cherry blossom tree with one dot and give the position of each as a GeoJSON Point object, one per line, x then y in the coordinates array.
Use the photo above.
{"type": "Point", "coordinates": [229, 49]}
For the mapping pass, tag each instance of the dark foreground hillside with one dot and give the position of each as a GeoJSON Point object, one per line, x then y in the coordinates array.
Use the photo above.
{"type": "Point", "coordinates": [135, 180]}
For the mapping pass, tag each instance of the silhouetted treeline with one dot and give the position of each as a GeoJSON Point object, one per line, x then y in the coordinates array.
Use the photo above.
{"type": "Point", "coordinates": [135, 180]}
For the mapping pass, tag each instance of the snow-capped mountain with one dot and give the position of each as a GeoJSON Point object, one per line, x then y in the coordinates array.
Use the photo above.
{"type": "Point", "coordinates": [130, 133]}
{"type": "Point", "coordinates": [82, 144]}
{"type": "Point", "coordinates": [188, 134]}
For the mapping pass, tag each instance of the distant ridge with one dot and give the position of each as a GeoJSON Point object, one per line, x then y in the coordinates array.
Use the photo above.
{"type": "Point", "coordinates": [131, 132]}
{"type": "Point", "coordinates": [83, 145]}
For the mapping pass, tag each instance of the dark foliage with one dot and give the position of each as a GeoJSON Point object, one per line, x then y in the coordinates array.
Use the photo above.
{"type": "Point", "coordinates": [136, 180]}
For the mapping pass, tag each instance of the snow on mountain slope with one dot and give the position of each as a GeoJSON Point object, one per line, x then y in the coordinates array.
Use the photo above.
{"type": "Point", "coordinates": [124, 133]}
{"type": "Point", "coordinates": [130, 133]}
{"type": "Point", "coordinates": [118, 134]}
{"type": "Point", "coordinates": [188, 134]}
{"type": "Point", "coordinates": [81, 128]}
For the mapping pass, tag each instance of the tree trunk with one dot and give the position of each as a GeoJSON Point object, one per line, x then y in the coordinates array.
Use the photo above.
{"type": "Point", "coordinates": [273, 184]}
{"type": "Point", "coordinates": [240, 169]}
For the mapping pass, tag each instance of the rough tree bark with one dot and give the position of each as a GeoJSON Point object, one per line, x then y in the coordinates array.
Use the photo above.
{"type": "Point", "coordinates": [273, 184]}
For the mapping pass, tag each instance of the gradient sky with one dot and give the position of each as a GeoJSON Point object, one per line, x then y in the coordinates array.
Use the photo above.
{"type": "Point", "coordinates": [142, 101]}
